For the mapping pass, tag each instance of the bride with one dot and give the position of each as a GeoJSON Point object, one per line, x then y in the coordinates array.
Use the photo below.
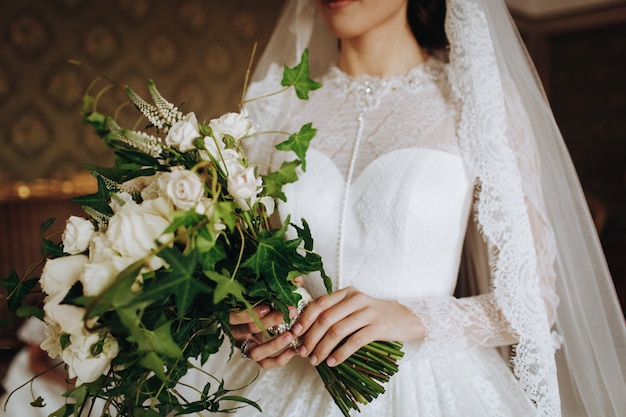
{"type": "Point", "coordinates": [437, 166]}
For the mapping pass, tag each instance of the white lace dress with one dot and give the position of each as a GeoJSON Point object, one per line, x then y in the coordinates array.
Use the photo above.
{"type": "Point", "coordinates": [388, 197]}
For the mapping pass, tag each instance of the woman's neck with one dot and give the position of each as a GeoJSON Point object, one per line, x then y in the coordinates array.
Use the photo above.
{"type": "Point", "coordinates": [381, 52]}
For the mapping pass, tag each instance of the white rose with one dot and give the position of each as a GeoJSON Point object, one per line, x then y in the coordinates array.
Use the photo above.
{"type": "Point", "coordinates": [145, 186]}
{"type": "Point", "coordinates": [212, 146]}
{"type": "Point", "coordinates": [78, 231]}
{"type": "Point", "coordinates": [236, 125]}
{"type": "Point", "coordinates": [243, 185]}
{"type": "Point", "coordinates": [82, 365]}
{"type": "Point", "coordinates": [182, 134]}
{"type": "Point", "coordinates": [60, 274]}
{"type": "Point", "coordinates": [135, 228]}
{"type": "Point", "coordinates": [152, 190]}
{"type": "Point", "coordinates": [96, 277]}
{"type": "Point", "coordinates": [119, 199]}
{"type": "Point", "coordinates": [70, 319]}
{"type": "Point", "coordinates": [52, 343]}
{"type": "Point", "coordinates": [183, 187]}
{"type": "Point", "coordinates": [100, 248]}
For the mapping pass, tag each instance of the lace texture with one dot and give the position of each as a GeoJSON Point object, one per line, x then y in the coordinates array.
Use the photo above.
{"type": "Point", "coordinates": [390, 181]}
{"type": "Point", "coordinates": [502, 211]}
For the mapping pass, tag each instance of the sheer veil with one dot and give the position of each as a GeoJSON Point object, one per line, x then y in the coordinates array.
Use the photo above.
{"type": "Point", "coordinates": [487, 59]}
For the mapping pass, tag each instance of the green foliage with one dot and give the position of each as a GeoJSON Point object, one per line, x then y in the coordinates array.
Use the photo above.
{"type": "Point", "coordinates": [274, 181]}
{"type": "Point", "coordinates": [16, 290]}
{"type": "Point", "coordinates": [222, 257]}
{"type": "Point", "coordinates": [299, 77]}
{"type": "Point", "coordinates": [299, 143]}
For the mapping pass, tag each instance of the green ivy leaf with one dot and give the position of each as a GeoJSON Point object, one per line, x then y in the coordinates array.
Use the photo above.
{"type": "Point", "coordinates": [225, 287]}
{"type": "Point", "coordinates": [17, 290]}
{"type": "Point", "coordinates": [29, 311]}
{"type": "Point", "coordinates": [48, 247]}
{"type": "Point", "coordinates": [99, 200]}
{"type": "Point", "coordinates": [274, 181]}
{"type": "Point", "coordinates": [179, 280]}
{"type": "Point", "coordinates": [273, 260]}
{"type": "Point", "coordinates": [312, 261]}
{"type": "Point", "coordinates": [299, 143]}
{"type": "Point", "coordinates": [38, 403]}
{"type": "Point", "coordinates": [158, 341]}
{"type": "Point", "coordinates": [43, 228]}
{"type": "Point", "coordinates": [299, 77]}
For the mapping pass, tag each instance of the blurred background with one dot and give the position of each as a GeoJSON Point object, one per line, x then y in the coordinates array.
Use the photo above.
{"type": "Point", "coordinates": [197, 52]}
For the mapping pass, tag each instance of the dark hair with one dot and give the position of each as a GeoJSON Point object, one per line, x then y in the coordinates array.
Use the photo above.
{"type": "Point", "coordinates": [426, 18]}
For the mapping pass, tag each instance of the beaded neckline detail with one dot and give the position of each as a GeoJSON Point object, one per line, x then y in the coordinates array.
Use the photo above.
{"type": "Point", "coordinates": [369, 89]}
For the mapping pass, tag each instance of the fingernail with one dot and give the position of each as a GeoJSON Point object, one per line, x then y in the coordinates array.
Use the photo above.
{"type": "Point", "coordinates": [287, 337]}
{"type": "Point", "coordinates": [313, 360]}
{"type": "Point", "coordinates": [264, 310]}
{"type": "Point", "coordinates": [297, 329]}
{"type": "Point", "coordinates": [302, 351]}
{"type": "Point", "coordinates": [330, 361]}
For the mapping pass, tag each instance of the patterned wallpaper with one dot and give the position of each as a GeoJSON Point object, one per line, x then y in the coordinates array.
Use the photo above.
{"type": "Point", "coordinates": [197, 52]}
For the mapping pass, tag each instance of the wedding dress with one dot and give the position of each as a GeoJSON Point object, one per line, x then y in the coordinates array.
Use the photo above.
{"type": "Point", "coordinates": [406, 174]}
{"type": "Point", "coordinates": [388, 199]}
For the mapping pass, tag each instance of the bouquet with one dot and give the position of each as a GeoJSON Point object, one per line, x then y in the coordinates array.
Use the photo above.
{"type": "Point", "coordinates": [176, 237]}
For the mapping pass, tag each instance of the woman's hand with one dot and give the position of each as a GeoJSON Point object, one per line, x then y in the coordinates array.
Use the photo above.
{"type": "Point", "coordinates": [352, 314]}
{"type": "Point", "coordinates": [265, 353]}
{"type": "Point", "coordinates": [268, 353]}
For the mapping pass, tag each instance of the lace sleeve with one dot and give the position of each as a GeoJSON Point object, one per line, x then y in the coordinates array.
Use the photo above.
{"type": "Point", "coordinates": [456, 323]}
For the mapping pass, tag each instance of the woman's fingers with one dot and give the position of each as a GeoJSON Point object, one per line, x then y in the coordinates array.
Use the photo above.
{"type": "Point", "coordinates": [244, 327]}
{"type": "Point", "coordinates": [324, 319]}
{"type": "Point", "coordinates": [356, 319]}
{"type": "Point", "coordinates": [279, 360]}
{"type": "Point", "coordinates": [243, 317]}
{"type": "Point", "coordinates": [258, 352]}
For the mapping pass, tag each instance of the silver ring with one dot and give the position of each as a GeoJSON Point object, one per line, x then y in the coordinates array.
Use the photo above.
{"type": "Point", "coordinates": [295, 343]}
{"type": "Point", "coordinates": [278, 329]}
{"type": "Point", "coordinates": [244, 348]}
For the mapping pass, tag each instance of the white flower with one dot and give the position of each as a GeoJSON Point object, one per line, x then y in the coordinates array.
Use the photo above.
{"type": "Point", "coordinates": [100, 248]}
{"type": "Point", "coordinates": [82, 365]}
{"type": "Point", "coordinates": [182, 134]}
{"type": "Point", "coordinates": [214, 147]}
{"type": "Point", "coordinates": [236, 125]}
{"type": "Point", "coordinates": [60, 274]}
{"type": "Point", "coordinates": [118, 200]}
{"type": "Point", "coordinates": [52, 344]}
{"type": "Point", "coordinates": [96, 277]}
{"type": "Point", "coordinates": [206, 206]}
{"type": "Point", "coordinates": [146, 186]}
{"type": "Point", "coordinates": [183, 187]}
{"type": "Point", "coordinates": [70, 319]}
{"type": "Point", "coordinates": [243, 185]}
{"type": "Point", "coordinates": [78, 231]}
{"type": "Point", "coordinates": [134, 229]}
{"type": "Point", "coordinates": [269, 203]}
{"type": "Point", "coordinates": [152, 191]}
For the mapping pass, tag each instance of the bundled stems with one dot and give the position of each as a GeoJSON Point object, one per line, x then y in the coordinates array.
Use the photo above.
{"type": "Point", "coordinates": [359, 378]}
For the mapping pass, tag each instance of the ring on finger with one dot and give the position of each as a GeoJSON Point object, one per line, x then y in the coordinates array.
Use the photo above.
{"type": "Point", "coordinates": [244, 348]}
{"type": "Point", "coordinates": [278, 329]}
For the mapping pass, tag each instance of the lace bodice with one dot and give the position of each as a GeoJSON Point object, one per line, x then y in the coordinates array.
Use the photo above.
{"type": "Point", "coordinates": [388, 197]}
{"type": "Point", "coordinates": [351, 195]}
